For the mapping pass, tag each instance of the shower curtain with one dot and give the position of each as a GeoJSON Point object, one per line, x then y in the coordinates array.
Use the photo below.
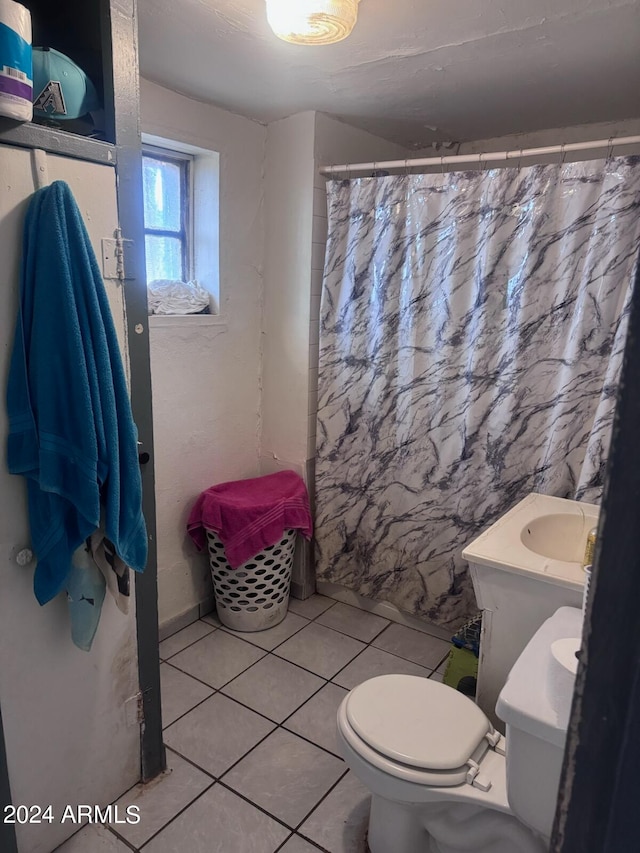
{"type": "Point", "coordinates": [471, 336]}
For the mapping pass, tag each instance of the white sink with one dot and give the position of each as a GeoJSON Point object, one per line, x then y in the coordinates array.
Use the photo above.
{"type": "Point", "coordinates": [559, 535]}
{"type": "Point", "coordinates": [540, 536]}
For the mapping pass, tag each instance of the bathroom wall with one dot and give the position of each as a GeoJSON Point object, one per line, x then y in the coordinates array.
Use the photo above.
{"type": "Point", "coordinates": [289, 170]}
{"type": "Point", "coordinates": [206, 369]}
{"type": "Point", "coordinates": [554, 136]}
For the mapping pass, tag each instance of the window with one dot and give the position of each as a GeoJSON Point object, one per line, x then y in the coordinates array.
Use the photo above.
{"type": "Point", "coordinates": [181, 184]}
{"type": "Point", "coordinates": [166, 177]}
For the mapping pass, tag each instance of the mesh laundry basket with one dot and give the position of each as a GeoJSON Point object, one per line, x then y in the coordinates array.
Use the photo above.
{"type": "Point", "coordinates": [254, 596]}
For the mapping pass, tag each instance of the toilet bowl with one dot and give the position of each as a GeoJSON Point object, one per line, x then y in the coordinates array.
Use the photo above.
{"type": "Point", "coordinates": [442, 778]}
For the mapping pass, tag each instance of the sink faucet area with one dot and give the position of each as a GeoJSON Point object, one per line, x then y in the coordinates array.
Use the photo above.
{"type": "Point", "coordinates": [524, 567]}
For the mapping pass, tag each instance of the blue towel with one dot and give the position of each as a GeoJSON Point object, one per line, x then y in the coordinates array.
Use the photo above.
{"type": "Point", "coordinates": [71, 433]}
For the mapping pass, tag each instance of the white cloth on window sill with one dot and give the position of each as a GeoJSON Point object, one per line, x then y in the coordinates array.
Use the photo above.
{"type": "Point", "coordinates": [176, 297]}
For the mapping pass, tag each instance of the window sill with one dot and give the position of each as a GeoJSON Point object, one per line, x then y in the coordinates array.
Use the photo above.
{"type": "Point", "coordinates": [160, 321]}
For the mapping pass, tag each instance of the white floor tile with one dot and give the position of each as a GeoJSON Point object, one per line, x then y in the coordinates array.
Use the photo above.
{"type": "Point", "coordinates": [272, 637]}
{"type": "Point", "coordinates": [177, 642]}
{"type": "Point", "coordinates": [320, 649]}
{"type": "Point", "coordinates": [160, 800]}
{"type": "Point", "coordinates": [286, 776]}
{"type": "Point", "coordinates": [298, 845]}
{"type": "Point", "coordinates": [219, 821]}
{"type": "Point", "coordinates": [415, 646]}
{"type": "Point", "coordinates": [93, 839]}
{"type": "Point", "coordinates": [217, 733]}
{"type": "Point", "coordinates": [340, 822]}
{"type": "Point", "coordinates": [353, 621]}
{"type": "Point", "coordinates": [316, 720]}
{"type": "Point", "coordinates": [273, 687]}
{"type": "Point", "coordinates": [312, 606]}
{"type": "Point", "coordinates": [180, 693]}
{"type": "Point", "coordinates": [217, 658]}
{"type": "Point", "coordinates": [372, 662]}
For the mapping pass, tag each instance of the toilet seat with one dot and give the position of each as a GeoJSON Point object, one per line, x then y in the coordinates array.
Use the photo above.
{"type": "Point", "coordinates": [417, 730]}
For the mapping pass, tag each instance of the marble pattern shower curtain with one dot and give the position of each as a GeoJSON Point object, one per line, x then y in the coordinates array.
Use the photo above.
{"type": "Point", "coordinates": [471, 335]}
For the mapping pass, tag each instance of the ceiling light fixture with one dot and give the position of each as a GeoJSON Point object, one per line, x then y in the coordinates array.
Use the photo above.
{"type": "Point", "coordinates": [312, 21]}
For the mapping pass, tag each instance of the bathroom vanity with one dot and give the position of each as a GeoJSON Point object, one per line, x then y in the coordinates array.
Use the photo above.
{"type": "Point", "coordinates": [524, 567]}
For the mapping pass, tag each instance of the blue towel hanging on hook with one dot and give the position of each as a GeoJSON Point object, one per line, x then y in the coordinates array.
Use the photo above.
{"type": "Point", "coordinates": [71, 433]}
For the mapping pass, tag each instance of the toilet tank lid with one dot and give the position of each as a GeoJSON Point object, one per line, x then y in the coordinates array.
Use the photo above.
{"type": "Point", "coordinates": [533, 699]}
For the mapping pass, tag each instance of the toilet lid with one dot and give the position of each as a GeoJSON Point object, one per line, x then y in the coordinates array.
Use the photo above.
{"type": "Point", "coordinates": [416, 721]}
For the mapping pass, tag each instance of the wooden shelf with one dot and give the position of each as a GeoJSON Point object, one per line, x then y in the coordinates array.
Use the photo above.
{"type": "Point", "coordinates": [56, 141]}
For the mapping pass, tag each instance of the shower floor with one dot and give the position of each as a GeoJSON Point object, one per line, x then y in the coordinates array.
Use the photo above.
{"type": "Point", "coordinates": [249, 721]}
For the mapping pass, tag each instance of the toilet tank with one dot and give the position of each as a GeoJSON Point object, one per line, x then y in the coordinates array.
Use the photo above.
{"type": "Point", "coordinates": [535, 704]}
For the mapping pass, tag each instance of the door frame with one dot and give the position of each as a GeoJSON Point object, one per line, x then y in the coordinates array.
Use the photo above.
{"type": "Point", "coordinates": [598, 797]}
{"type": "Point", "coordinates": [122, 87]}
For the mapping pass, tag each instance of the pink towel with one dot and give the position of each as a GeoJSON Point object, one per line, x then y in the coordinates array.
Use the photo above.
{"type": "Point", "coordinates": [250, 515]}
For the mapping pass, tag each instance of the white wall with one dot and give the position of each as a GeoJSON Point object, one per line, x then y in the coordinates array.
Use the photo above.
{"type": "Point", "coordinates": [553, 136]}
{"type": "Point", "coordinates": [289, 171]}
{"type": "Point", "coordinates": [337, 142]}
{"type": "Point", "coordinates": [206, 370]}
{"type": "Point", "coordinates": [67, 734]}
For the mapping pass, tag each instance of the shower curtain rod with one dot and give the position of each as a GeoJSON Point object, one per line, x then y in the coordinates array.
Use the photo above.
{"type": "Point", "coordinates": [489, 157]}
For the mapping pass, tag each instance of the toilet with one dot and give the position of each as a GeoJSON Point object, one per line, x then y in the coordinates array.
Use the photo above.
{"type": "Point", "coordinates": [443, 780]}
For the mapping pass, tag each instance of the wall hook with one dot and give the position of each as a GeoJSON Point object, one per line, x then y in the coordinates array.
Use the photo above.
{"type": "Point", "coordinates": [39, 168]}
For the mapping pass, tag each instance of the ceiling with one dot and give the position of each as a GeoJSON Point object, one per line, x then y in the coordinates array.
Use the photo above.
{"type": "Point", "coordinates": [412, 71]}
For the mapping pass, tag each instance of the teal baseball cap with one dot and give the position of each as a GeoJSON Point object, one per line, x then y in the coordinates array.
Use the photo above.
{"type": "Point", "coordinates": [61, 89]}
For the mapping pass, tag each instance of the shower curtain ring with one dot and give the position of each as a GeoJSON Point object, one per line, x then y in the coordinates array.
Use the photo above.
{"type": "Point", "coordinates": [563, 154]}
{"type": "Point", "coordinates": [406, 168]}
{"type": "Point", "coordinates": [519, 159]}
{"type": "Point", "coordinates": [442, 165]}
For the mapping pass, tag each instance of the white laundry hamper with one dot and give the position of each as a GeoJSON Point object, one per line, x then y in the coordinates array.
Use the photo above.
{"type": "Point", "coordinates": [254, 596]}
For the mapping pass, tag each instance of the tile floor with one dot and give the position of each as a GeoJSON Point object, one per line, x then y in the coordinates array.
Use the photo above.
{"type": "Point", "coordinates": [249, 720]}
